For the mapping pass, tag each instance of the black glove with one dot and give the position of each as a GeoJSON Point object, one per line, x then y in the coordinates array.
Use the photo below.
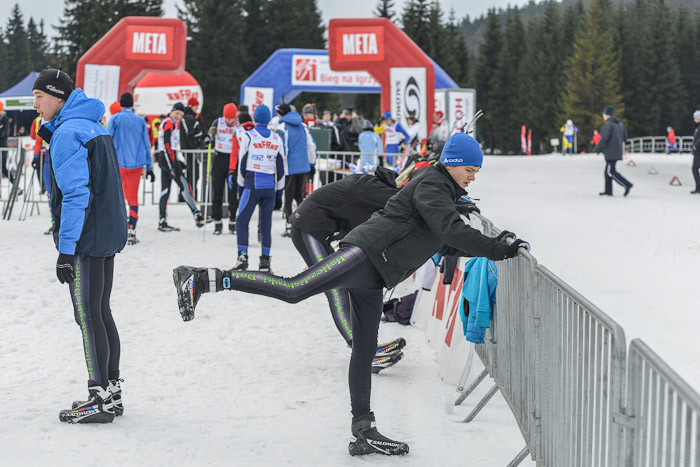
{"type": "Point", "coordinates": [65, 268]}
{"type": "Point", "coordinates": [151, 176]}
{"type": "Point", "coordinates": [207, 141]}
{"type": "Point", "coordinates": [35, 162]}
{"type": "Point", "coordinates": [278, 201]}
{"type": "Point", "coordinates": [512, 250]}
{"type": "Point", "coordinates": [501, 237]}
{"type": "Point", "coordinates": [464, 207]}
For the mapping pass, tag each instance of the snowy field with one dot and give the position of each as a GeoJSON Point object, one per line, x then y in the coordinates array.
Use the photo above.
{"type": "Point", "coordinates": [257, 382]}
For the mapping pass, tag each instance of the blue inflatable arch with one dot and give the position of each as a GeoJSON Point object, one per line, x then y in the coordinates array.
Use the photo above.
{"type": "Point", "coordinates": [276, 74]}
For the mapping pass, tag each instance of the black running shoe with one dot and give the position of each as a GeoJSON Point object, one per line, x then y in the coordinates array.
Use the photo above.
{"type": "Point", "coordinates": [164, 227]}
{"type": "Point", "coordinates": [50, 231]}
{"type": "Point", "coordinates": [367, 440]}
{"type": "Point", "coordinates": [264, 265]}
{"type": "Point", "coordinates": [99, 408]}
{"type": "Point", "coordinates": [385, 361]}
{"type": "Point", "coordinates": [390, 347]}
{"type": "Point", "coordinates": [218, 228]}
{"type": "Point", "coordinates": [198, 219]}
{"type": "Point", "coordinates": [627, 190]}
{"type": "Point", "coordinates": [232, 227]}
{"type": "Point", "coordinates": [190, 283]}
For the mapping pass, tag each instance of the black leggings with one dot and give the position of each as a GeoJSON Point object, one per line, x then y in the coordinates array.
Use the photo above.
{"type": "Point", "coordinates": [219, 183]}
{"type": "Point", "coordinates": [314, 251]}
{"type": "Point", "coordinates": [348, 268]}
{"type": "Point", "coordinates": [90, 292]}
{"type": "Point", "coordinates": [294, 189]}
{"type": "Point", "coordinates": [167, 169]}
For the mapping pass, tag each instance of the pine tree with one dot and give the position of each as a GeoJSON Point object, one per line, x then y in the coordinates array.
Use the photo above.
{"type": "Point", "coordinates": [507, 99]}
{"type": "Point", "coordinates": [593, 81]}
{"type": "Point", "coordinates": [661, 74]}
{"type": "Point", "coordinates": [3, 59]}
{"type": "Point", "coordinates": [214, 55]}
{"type": "Point", "coordinates": [415, 22]}
{"type": "Point", "coordinates": [385, 9]}
{"type": "Point", "coordinates": [38, 46]}
{"type": "Point", "coordinates": [17, 59]}
{"type": "Point", "coordinates": [688, 60]}
{"type": "Point", "coordinates": [573, 17]}
{"type": "Point", "coordinates": [437, 40]}
{"type": "Point", "coordinates": [254, 28]}
{"type": "Point", "coordinates": [486, 67]}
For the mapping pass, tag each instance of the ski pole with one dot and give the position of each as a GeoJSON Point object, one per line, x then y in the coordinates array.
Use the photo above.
{"type": "Point", "coordinates": [206, 192]}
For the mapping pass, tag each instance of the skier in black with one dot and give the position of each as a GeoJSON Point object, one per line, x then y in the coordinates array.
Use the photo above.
{"type": "Point", "coordinates": [696, 153]}
{"type": "Point", "coordinates": [327, 215]}
{"type": "Point", "coordinates": [88, 206]}
{"type": "Point", "coordinates": [419, 221]}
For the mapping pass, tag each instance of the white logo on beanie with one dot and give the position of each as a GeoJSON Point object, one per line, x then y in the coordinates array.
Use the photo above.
{"type": "Point", "coordinates": [453, 160]}
{"type": "Point", "coordinates": [53, 88]}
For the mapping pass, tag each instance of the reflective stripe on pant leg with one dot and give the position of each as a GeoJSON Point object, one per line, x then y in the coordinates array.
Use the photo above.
{"type": "Point", "coordinates": [338, 300]}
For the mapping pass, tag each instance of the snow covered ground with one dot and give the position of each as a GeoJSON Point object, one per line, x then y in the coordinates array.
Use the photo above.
{"type": "Point", "coordinates": [253, 381]}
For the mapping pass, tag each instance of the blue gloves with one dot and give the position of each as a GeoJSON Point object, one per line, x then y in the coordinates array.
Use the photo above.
{"type": "Point", "coordinates": [230, 181]}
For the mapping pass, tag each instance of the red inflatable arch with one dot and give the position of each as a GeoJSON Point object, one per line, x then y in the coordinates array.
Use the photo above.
{"type": "Point", "coordinates": [135, 46]}
{"type": "Point", "coordinates": [403, 70]}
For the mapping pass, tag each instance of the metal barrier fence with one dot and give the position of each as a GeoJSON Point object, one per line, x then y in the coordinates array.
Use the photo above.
{"type": "Point", "coordinates": [657, 144]}
{"type": "Point", "coordinates": [561, 365]}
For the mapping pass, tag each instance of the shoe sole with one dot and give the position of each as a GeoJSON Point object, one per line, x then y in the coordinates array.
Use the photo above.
{"type": "Point", "coordinates": [186, 311]}
{"type": "Point", "coordinates": [391, 347]}
{"type": "Point", "coordinates": [387, 361]}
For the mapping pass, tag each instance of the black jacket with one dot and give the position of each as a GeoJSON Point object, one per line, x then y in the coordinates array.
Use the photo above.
{"type": "Point", "coordinates": [612, 139]}
{"type": "Point", "coordinates": [4, 126]}
{"type": "Point", "coordinates": [696, 140]}
{"type": "Point", "coordinates": [419, 221]}
{"type": "Point", "coordinates": [337, 208]}
{"type": "Point", "coordinates": [190, 131]}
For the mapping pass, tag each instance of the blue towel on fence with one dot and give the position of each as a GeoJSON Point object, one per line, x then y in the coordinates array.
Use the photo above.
{"type": "Point", "coordinates": [479, 289]}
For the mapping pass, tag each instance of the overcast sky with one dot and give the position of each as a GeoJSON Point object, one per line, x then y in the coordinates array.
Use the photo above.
{"type": "Point", "coordinates": [51, 10]}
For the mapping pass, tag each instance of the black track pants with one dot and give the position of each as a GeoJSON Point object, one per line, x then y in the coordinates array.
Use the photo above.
{"type": "Point", "coordinates": [696, 171]}
{"type": "Point", "coordinates": [90, 292]}
{"type": "Point", "coordinates": [294, 189]}
{"type": "Point", "coordinates": [314, 251]}
{"type": "Point", "coordinates": [219, 183]}
{"type": "Point", "coordinates": [348, 268]}
{"type": "Point", "coordinates": [166, 180]}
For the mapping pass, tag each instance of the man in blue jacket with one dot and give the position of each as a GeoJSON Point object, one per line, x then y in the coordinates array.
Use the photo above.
{"type": "Point", "coordinates": [88, 205]}
{"type": "Point", "coordinates": [130, 136]}
{"type": "Point", "coordinates": [300, 154]}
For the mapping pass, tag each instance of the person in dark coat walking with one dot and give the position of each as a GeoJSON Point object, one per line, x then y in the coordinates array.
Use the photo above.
{"type": "Point", "coordinates": [87, 202]}
{"type": "Point", "coordinates": [696, 153]}
{"type": "Point", "coordinates": [417, 222]}
{"type": "Point", "coordinates": [612, 140]}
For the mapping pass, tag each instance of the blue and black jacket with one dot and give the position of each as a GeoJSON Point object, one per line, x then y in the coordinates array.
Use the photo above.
{"type": "Point", "coordinates": [86, 189]}
{"type": "Point", "coordinates": [130, 135]}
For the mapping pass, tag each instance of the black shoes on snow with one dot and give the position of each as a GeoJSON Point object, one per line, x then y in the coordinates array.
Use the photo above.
{"type": "Point", "coordinates": [367, 440]}
{"type": "Point", "coordinates": [605, 194]}
{"type": "Point", "coordinates": [115, 391]}
{"type": "Point", "coordinates": [50, 231]}
{"type": "Point", "coordinates": [99, 408]}
{"type": "Point", "coordinates": [390, 347]}
{"type": "Point", "coordinates": [627, 190]}
{"type": "Point", "coordinates": [218, 228]}
{"type": "Point", "coordinates": [264, 265]}
{"type": "Point", "coordinates": [164, 227]}
{"type": "Point", "coordinates": [695, 191]}
{"type": "Point", "coordinates": [385, 361]}
{"type": "Point", "coordinates": [131, 237]}
{"type": "Point", "coordinates": [241, 262]}
{"type": "Point", "coordinates": [190, 283]}
{"type": "Point", "coordinates": [198, 219]}
{"type": "Point", "coordinates": [232, 227]}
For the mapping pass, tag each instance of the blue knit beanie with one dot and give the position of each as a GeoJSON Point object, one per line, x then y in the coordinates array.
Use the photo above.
{"type": "Point", "coordinates": [461, 149]}
{"type": "Point", "coordinates": [262, 114]}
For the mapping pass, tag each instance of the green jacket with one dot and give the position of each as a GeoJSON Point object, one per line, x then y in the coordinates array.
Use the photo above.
{"type": "Point", "coordinates": [417, 222]}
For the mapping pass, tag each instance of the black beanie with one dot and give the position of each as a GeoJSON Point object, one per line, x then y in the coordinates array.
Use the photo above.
{"type": "Point", "coordinates": [609, 110]}
{"type": "Point", "coordinates": [244, 117]}
{"type": "Point", "coordinates": [178, 106]}
{"type": "Point", "coordinates": [54, 82]}
{"type": "Point", "coordinates": [126, 100]}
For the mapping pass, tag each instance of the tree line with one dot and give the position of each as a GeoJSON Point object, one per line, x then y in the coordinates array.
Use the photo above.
{"type": "Point", "coordinates": [567, 62]}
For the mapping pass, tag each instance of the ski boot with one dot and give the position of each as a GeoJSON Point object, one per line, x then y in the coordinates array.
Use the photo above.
{"type": "Point", "coordinates": [264, 265]}
{"type": "Point", "coordinates": [164, 227]}
{"type": "Point", "coordinates": [218, 227]}
{"type": "Point", "coordinates": [115, 389]}
{"type": "Point", "coordinates": [232, 227]}
{"type": "Point", "coordinates": [390, 347]}
{"type": "Point", "coordinates": [287, 230]}
{"type": "Point", "coordinates": [99, 408]}
{"type": "Point", "coordinates": [242, 262]}
{"type": "Point", "coordinates": [385, 361]}
{"type": "Point", "coordinates": [50, 231]}
{"type": "Point", "coordinates": [198, 219]}
{"type": "Point", "coordinates": [131, 237]}
{"type": "Point", "coordinates": [367, 440]}
{"type": "Point", "coordinates": [190, 283]}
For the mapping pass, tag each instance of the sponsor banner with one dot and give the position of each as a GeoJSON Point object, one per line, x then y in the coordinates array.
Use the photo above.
{"type": "Point", "coordinates": [409, 96]}
{"type": "Point", "coordinates": [158, 100]}
{"type": "Point", "coordinates": [149, 43]}
{"type": "Point", "coordinates": [461, 107]}
{"type": "Point", "coordinates": [315, 70]}
{"type": "Point", "coordinates": [440, 102]}
{"type": "Point", "coordinates": [102, 82]}
{"type": "Point", "coordinates": [254, 96]}
{"type": "Point", "coordinates": [437, 313]}
{"type": "Point", "coordinates": [359, 44]}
